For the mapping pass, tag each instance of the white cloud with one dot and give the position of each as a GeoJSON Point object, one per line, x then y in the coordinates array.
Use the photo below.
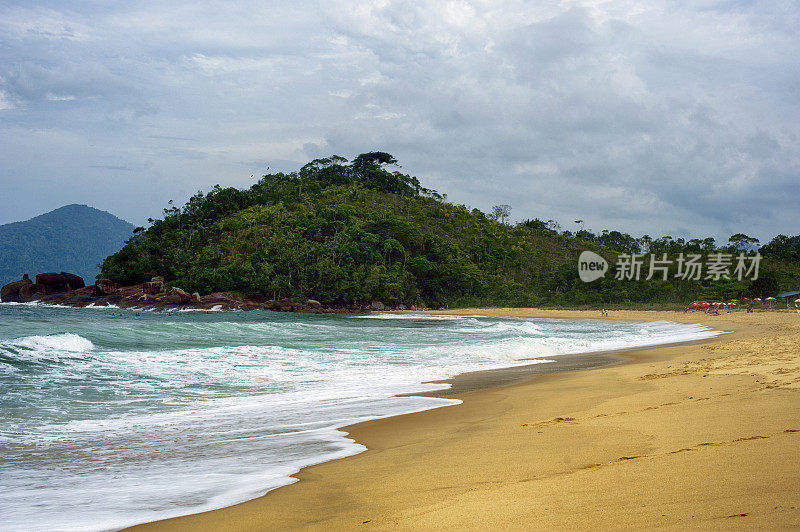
{"type": "Point", "coordinates": [341, 93]}
{"type": "Point", "coordinates": [5, 101]}
{"type": "Point", "coordinates": [59, 97]}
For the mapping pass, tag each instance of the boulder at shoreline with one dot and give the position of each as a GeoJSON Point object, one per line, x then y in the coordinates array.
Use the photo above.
{"type": "Point", "coordinates": [68, 289]}
{"type": "Point", "coordinates": [50, 283]}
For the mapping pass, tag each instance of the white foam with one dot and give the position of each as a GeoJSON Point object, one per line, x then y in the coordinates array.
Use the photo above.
{"type": "Point", "coordinates": [71, 343]}
{"type": "Point", "coordinates": [215, 308]}
{"type": "Point", "coordinates": [431, 317]}
{"type": "Point", "coordinates": [101, 307]}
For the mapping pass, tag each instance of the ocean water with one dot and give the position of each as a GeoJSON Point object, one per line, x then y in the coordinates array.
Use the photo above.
{"type": "Point", "coordinates": [109, 421]}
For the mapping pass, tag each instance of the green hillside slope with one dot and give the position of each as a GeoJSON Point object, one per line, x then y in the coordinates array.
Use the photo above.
{"type": "Point", "coordinates": [340, 231]}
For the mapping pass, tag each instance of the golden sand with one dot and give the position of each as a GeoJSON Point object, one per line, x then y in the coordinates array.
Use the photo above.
{"type": "Point", "coordinates": [703, 436]}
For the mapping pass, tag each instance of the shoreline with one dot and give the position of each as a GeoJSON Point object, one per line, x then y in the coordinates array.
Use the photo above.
{"type": "Point", "coordinates": [317, 501]}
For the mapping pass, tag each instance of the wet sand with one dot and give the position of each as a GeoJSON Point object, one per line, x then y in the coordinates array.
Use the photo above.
{"type": "Point", "coordinates": [704, 435]}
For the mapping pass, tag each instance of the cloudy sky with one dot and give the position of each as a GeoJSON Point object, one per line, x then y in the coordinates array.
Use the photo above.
{"type": "Point", "coordinates": [659, 117]}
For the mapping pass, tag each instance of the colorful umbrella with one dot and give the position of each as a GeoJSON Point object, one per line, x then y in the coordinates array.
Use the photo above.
{"type": "Point", "coordinates": [757, 299]}
{"type": "Point", "coordinates": [769, 298]}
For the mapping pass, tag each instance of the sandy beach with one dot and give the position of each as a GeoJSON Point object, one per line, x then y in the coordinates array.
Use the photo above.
{"type": "Point", "coordinates": [703, 435]}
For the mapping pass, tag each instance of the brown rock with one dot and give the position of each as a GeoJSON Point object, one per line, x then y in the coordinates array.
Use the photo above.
{"type": "Point", "coordinates": [153, 287]}
{"type": "Point", "coordinates": [105, 287]}
{"type": "Point", "coordinates": [10, 292]}
{"type": "Point", "coordinates": [196, 297]}
{"type": "Point", "coordinates": [176, 296]}
{"type": "Point", "coordinates": [284, 305]}
{"type": "Point", "coordinates": [74, 281]}
{"type": "Point", "coordinates": [54, 283]}
{"type": "Point", "coordinates": [31, 292]}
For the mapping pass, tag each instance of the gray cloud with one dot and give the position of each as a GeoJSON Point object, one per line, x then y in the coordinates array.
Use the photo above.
{"type": "Point", "coordinates": [649, 117]}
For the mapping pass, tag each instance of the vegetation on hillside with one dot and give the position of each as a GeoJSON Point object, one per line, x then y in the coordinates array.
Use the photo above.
{"type": "Point", "coordinates": [344, 231]}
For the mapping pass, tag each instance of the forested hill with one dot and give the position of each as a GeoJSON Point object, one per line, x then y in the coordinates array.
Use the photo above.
{"type": "Point", "coordinates": [72, 238]}
{"type": "Point", "coordinates": [341, 231]}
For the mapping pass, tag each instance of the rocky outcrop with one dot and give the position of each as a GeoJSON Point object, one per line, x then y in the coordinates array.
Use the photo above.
{"type": "Point", "coordinates": [32, 292]}
{"type": "Point", "coordinates": [47, 284]}
{"type": "Point", "coordinates": [152, 295]}
{"type": "Point", "coordinates": [152, 288]}
{"type": "Point", "coordinates": [155, 286]}
{"type": "Point", "coordinates": [74, 281]}
{"type": "Point", "coordinates": [223, 299]}
{"type": "Point", "coordinates": [10, 293]}
{"type": "Point", "coordinates": [176, 296]}
{"type": "Point", "coordinates": [284, 305]}
{"type": "Point", "coordinates": [54, 283]}
{"type": "Point", "coordinates": [105, 287]}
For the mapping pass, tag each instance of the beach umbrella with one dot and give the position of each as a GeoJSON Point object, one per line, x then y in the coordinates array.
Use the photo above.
{"type": "Point", "coordinates": [718, 303]}
{"type": "Point", "coordinates": [757, 299]}
{"type": "Point", "coordinates": [770, 298]}
{"type": "Point", "coordinates": [745, 299]}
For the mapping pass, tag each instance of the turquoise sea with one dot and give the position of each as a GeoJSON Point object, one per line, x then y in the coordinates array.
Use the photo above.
{"type": "Point", "coordinates": [111, 420]}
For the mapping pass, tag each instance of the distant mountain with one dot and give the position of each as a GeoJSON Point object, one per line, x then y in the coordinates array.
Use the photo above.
{"type": "Point", "coordinates": [73, 238]}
